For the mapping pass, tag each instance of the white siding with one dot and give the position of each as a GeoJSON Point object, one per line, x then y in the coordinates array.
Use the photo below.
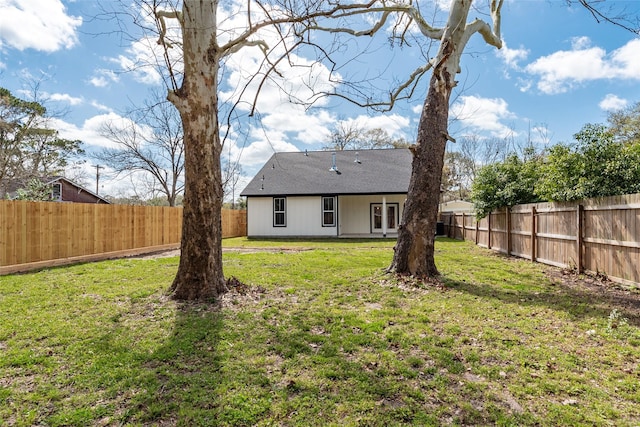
{"type": "Point", "coordinates": [355, 211]}
{"type": "Point", "coordinates": [303, 213]}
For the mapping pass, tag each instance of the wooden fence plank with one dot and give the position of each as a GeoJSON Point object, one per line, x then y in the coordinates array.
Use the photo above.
{"type": "Point", "coordinates": [596, 235]}
{"type": "Point", "coordinates": [48, 233]}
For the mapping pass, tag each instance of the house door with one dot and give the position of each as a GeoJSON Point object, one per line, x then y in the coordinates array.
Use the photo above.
{"type": "Point", "coordinates": [377, 218]}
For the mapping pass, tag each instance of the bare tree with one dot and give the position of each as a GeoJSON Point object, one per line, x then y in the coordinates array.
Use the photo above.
{"type": "Point", "coordinates": [150, 140]}
{"type": "Point", "coordinates": [345, 135]}
{"type": "Point", "coordinates": [414, 251]}
{"type": "Point", "coordinates": [231, 173]}
{"type": "Point", "coordinates": [457, 176]}
{"type": "Point", "coordinates": [348, 135]}
{"type": "Point", "coordinates": [625, 123]}
{"type": "Point", "coordinates": [616, 13]}
{"type": "Point", "coordinates": [193, 90]}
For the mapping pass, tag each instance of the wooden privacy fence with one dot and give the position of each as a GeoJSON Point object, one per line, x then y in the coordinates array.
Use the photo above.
{"type": "Point", "coordinates": [234, 223]}
{"type": "Point", "coordinates": [595, 235]}
{"type": "Point", "coordinates": [44, 234]}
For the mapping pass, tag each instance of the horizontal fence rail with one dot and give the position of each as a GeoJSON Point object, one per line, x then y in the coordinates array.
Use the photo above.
{"type": "Point", "coordinates": [599, 236]}
{"type": "Point", "coordinates": [45, 234]}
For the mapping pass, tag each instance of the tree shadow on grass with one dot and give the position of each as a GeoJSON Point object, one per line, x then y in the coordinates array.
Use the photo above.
{"type": "Point", "coordinates": [177, 382]}
{"type": "Point", "coordinates": [578, 295]}
{"type": "Point", "coordinates": [297, 368]}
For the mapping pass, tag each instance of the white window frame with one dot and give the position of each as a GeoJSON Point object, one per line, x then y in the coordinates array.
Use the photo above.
{"type": "Point", "coordinates": [395, 217]}
{"type": "Point", "coordinates": [279, 210]}
{"type": "Point", "coordinates": [53, 191]}
{"type": "Point", "coordinates": [333, 211]}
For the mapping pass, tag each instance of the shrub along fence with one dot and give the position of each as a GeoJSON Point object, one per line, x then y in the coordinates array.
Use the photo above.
{"type": "Point", "coordinates": [45, 234]}
{"type": "Point", "coordinates": [599, 236]}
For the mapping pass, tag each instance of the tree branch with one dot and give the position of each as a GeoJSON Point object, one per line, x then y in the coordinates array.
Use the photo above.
{"type": "Point", "coordinates": [600, 16]}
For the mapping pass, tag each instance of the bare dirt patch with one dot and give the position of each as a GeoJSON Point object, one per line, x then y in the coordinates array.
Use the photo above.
{"type": "Point", "coordinates": [600, 290]}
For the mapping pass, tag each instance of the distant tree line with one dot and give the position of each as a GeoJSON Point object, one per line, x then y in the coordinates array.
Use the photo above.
{"type": "Point", "coordinates": [347, 135]}
{"type": "Point", "coordinates": [603, 160]}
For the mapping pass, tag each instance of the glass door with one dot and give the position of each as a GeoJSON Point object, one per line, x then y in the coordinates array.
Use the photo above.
{"type": "Point", "coordinates": [376, 217]}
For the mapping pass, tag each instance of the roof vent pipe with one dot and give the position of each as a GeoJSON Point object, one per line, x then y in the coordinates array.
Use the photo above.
{"type": "Point", "coordinates": [333, 168]}
{"type": "Point", "coordinates": [357, 160]}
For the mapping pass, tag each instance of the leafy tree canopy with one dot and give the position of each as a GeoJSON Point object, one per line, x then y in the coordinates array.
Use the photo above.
{"type": "Point", "coordinates": [602, 161]}
{"type": "Point", "coordinates": [599, 164]}
{"type": "Point", "coordinates": [29, 148]}
{"type": "Point", "coordinates": [508, 183]}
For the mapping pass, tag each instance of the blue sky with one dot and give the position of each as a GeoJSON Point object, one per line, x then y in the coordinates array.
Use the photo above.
{"type": "Point", "coordinates": [559, 69]}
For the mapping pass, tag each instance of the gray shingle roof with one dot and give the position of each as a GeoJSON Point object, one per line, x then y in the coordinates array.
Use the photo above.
{"type": "Point", "coordinates": [378, 172]}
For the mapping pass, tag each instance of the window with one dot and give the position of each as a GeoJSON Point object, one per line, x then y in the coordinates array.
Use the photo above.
{"type": "Point", "coordinates": [328, 211]}
{"type": "Point", "coordinates": [376, 217]}
{"type": "Point", "coordinates": [279, 212]}
{"type": "Point", "coordinates": [56, 191]}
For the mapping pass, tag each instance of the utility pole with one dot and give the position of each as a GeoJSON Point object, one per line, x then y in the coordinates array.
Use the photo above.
{"type": "Point", "coordinates": [98, 167]}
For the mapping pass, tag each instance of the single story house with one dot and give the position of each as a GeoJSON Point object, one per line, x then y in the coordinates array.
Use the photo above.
{"type": "Point", "coordinates": [65, 190]}
{"type": "Point", "coordinates": [62, 190]}
{"type": "Point", "coordinates": [329, 194]}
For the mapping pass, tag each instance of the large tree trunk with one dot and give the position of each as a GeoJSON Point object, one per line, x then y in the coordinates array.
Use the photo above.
{"type": "Point", "coordinates": [414, 251]}
{"type": "Point", "coordinates": [200, 274]}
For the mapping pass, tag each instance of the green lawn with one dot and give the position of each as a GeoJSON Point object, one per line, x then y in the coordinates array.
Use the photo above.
{"type": "Point", "coordinates": [321, 336]}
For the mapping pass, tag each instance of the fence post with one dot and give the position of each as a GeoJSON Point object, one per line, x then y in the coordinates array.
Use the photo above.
{"type": "Point", "coordinates": [463, 227]}
{"type": "Point", "coordinates": [579, 240]}
{"type": "Point", "coordinates": [533, 234]}
{"type": "Point", "coordinates": [489, 231]}
{"type": "Point", "coordinates": [477, 229]}
{"type": "Point", "coordinates": [508, 225]}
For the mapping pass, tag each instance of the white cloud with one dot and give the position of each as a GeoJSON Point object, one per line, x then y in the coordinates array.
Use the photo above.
{"type": "Point", "coordinates": [580, 43]}
{"type": "Point", "coordinates": [483, 114]}
{"type": "Point", "coordinates": [626, 60]}
{"type": "Point", "coordinates": [282, 98]}
{"type": "Point", "coordinates": [562, 70]}
{"type": "Point", "coordinates": [512, 57]}
{"type": "Point", "coordinates": [144, 58]}
{"type": "Point", "coordinates": [141, 59]}
{"type": "Point", "coordinates": [64, 97]}
{"type": "Point", "coordinates": [612, 102]}
{"type": "Point", "coordinates": [259, 151]}
{"type": "Point", "coordinates": [99, 81]}
{"type": "Point", "coordinates": [37, 24]}
{"type": "Point", "coordinates": [101, 107]}
{"type": "Point", "coordinates": [298, 80]}
{"type": "Point", "coordinates": [394, 124]}
{"type": "Point", "coordinates": [90, 131]}
{"type": "Point", "coordinates": [103, 77]}
{"type": "Point", "coordinates": [306, 127]}
{"type": "Point", "coordinates": [443, 5]}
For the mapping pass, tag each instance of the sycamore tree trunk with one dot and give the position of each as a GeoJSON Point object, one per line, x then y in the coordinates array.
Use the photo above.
{"type": "Point", "coordinates": [200, 274]}
{"type": "Point", "coordinates": [414, 251]}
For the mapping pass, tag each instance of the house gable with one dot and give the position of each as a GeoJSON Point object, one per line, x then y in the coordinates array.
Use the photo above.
{"type": "Point", "coordinates": [62, 190]}
{"type": "Point", "coordinates": [65, 190]}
